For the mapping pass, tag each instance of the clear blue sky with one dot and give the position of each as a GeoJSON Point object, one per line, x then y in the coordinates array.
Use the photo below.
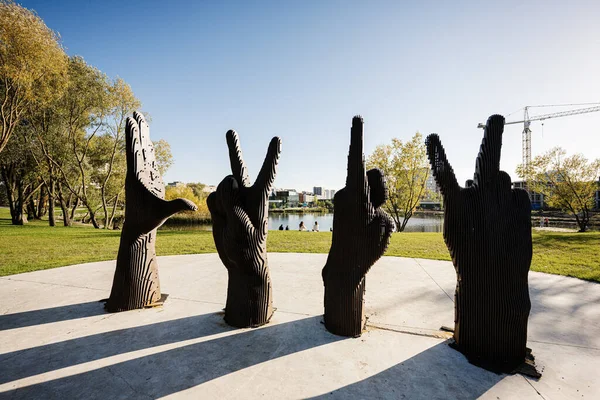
{"type": "Point", "coordinates": [302, 69]}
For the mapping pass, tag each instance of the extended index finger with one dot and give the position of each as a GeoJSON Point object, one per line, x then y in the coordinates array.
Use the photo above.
{"type": "Point", "coordinates": [356, 162]}
{"type": "Point", "coordinates": [266, 176]}
{"type": "Point", "coordinates": [488, 159]}
{"type": "Point", "coordinates": [238, 167]}
{"type": "Point", "coordinates": [441, 168]}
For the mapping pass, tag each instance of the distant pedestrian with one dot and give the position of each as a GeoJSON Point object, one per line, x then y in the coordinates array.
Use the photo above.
{"type": "Point", "coordinates": [281, 227]}
{"type": "Point", "coordinates": [301, 228]}
{"type": "Point", "coordinates": [547, 222]}
{"type": "Point", "coordinates": [541, 222]}
{"type": "Point", "coordinates": [316, 227]}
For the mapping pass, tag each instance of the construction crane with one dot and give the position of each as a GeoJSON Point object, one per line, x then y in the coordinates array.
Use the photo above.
{"type": "Point", "coordinates": [527, 120]}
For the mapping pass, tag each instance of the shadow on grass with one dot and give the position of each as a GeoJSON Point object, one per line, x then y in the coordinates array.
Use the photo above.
{"type": "Point", "coordinates": [552, 238]}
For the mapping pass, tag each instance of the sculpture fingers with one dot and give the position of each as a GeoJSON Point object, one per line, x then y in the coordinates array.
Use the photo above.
{"type": "Point", "coordinates": [267, 173]}
{"type": "Point", "coordinates": [228, 197]}
{"type": "Point", "coordinates": [238, 166]}
{"type": "Point", "coordinates": [442, 170]}
{"type": "Point", "coordinates": [503, 184]}
{"type": "Point", "coordinates": [487, 164]}
{"type": "Point", "coordinates": [377, 187]}
{"type": "Point", "coordinates": [356, 180]}
{"type": "Point", "coordinates": [132, 145]}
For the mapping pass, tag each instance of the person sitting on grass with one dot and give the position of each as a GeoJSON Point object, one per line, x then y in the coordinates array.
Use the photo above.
{"type": "Point", "coordinates": [316, 227]}
{"type": "Point", "coordinates": [301, 228]}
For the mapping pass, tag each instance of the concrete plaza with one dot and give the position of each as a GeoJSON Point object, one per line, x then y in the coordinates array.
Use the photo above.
{"type": "Point", "coordinates": [56, 341]}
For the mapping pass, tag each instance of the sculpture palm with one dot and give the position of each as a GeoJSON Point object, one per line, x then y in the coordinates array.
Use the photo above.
{"type": "Point", "coordinates": [239, 214]}
{"type": "Point", "coordinates": [361, 233]}
{"type": "Point", "coordinates": [487, 229]}
{"type": "Point", "coordinates": [136, 284]}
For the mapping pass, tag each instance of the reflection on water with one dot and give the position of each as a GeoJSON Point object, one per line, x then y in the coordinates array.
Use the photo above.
{"type": "Point", "coordinates": [420, 223]}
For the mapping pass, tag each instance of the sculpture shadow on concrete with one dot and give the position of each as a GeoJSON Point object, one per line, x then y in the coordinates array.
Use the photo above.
{"type": "Point", "coordinates": [188, 362]}
{"type": "Point", "coordinates": [239, 213]}
{"type": "Point", "coordinates": [136, 284]}
{"type": "Point", "coordinates": [361, 233]}
{"type": "Point", "coordinates": [487, 229]}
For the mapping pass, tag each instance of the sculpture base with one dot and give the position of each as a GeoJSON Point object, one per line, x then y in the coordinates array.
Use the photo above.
{"type": "Point", "coordinates": [249, 300]}
{"type": "Point", "coordinates": [525, 367]}
{"type": "Point", "coordinates": [344, 314]}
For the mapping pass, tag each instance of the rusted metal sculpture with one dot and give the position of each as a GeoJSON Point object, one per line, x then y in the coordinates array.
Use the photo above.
{"type": "Point", "coordinates": [361, 233]}
{"type": "Point", "coordinates": [487, 229]}
{"type": "Point", "coordinates": [239, 214]}
{"type": "Point", "coordinates": [136, 283]}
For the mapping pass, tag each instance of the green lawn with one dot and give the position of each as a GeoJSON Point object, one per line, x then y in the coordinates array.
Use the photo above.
{"type": "Point", "coordinates": [37, 246]}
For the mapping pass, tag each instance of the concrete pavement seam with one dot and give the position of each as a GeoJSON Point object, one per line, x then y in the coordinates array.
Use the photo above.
{"type": "Point", "coordinates": [442, 289]}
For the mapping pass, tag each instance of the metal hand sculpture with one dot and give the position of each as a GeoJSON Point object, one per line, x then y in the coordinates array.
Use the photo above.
{"type": "Point", "coordinates": [239, 214]}
{"type": "Point", "coordinates": [487, 229]}
{"type": "Point", "coordinates": [361, 233]}
{"type": "Point", "coordinates": [136, 283]}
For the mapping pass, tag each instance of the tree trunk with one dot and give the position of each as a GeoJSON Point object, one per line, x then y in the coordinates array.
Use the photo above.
{"type": "Point", "coordinates": [11, 180]}
{"type": "Point", "coordinates": [63, 205]}
{"type": "Point", "coordinates": [41, 202]}
{"type": "Point", "coordinates": [92, 215]}
{"type": "Point", "coordinates": [114, 209]}
{"type": "Point", "coordinates": [344, 307]}
{"type": "Point", "coordinates": [104, 208]}
{"type": "Point", "coordinates": [51, 217]}
{"type": "Point", "coordinates": [74, 207]}
{"type": "Point", "coordinates": [21, 199]}
{"type": "Point", "coordinates": [31, 212]}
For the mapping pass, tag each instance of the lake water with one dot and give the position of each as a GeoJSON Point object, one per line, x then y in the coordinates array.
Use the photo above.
{"type": "Point", "coordinates": [421, 223]}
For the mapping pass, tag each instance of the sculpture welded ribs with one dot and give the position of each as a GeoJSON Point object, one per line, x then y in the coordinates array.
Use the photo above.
{"type": "Point", "coordinates": [239, 214]}
{"type": "Point", "coordinates": [487, 229]}
{"type": "Point", "coordinates": [136, 283]}
{"type": "Point", "coordinates": [361, 233]}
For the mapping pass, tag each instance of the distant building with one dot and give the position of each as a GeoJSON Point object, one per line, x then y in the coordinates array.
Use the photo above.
{"type": "Point", "coordinates": [318, 190]}
{"type": "Point", "coordinates": [285, 198]}
{"type": "Point", "coordinates": [176, 184]}
{"type": "Point", "coordinates": [209, 189]}
{"type": "Point", "coordinates": [537, 199]}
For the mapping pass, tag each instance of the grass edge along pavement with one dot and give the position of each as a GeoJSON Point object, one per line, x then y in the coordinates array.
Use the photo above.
{"type": "Point", "coordinates": [36, 246]}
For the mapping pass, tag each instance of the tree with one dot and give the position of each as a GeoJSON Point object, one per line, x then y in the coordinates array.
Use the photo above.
{"type": "Point", "coordinates": [567, 183]}
{"type": "Point", "coordinates": [184, 192]}
{"type": "Point", "coordinates": [84, 107]}
{"type": "Point", "coordinates": [406, 169]}
{"type": "Point", "coordinates": [111, 175]}
{"type": "Point", "coordinates": [164, 157]}
{"type": "Point", "coordinates": [31, 58]}
{"type": "Point", "coordinates": [18, 174]}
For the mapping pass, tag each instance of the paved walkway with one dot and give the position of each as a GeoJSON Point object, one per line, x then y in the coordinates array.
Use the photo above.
{"type": "Point", "coordinates": [57, 342]}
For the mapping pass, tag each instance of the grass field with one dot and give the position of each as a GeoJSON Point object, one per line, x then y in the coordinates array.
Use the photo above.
{"type": "Point", "coordinates": [37, 246]}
